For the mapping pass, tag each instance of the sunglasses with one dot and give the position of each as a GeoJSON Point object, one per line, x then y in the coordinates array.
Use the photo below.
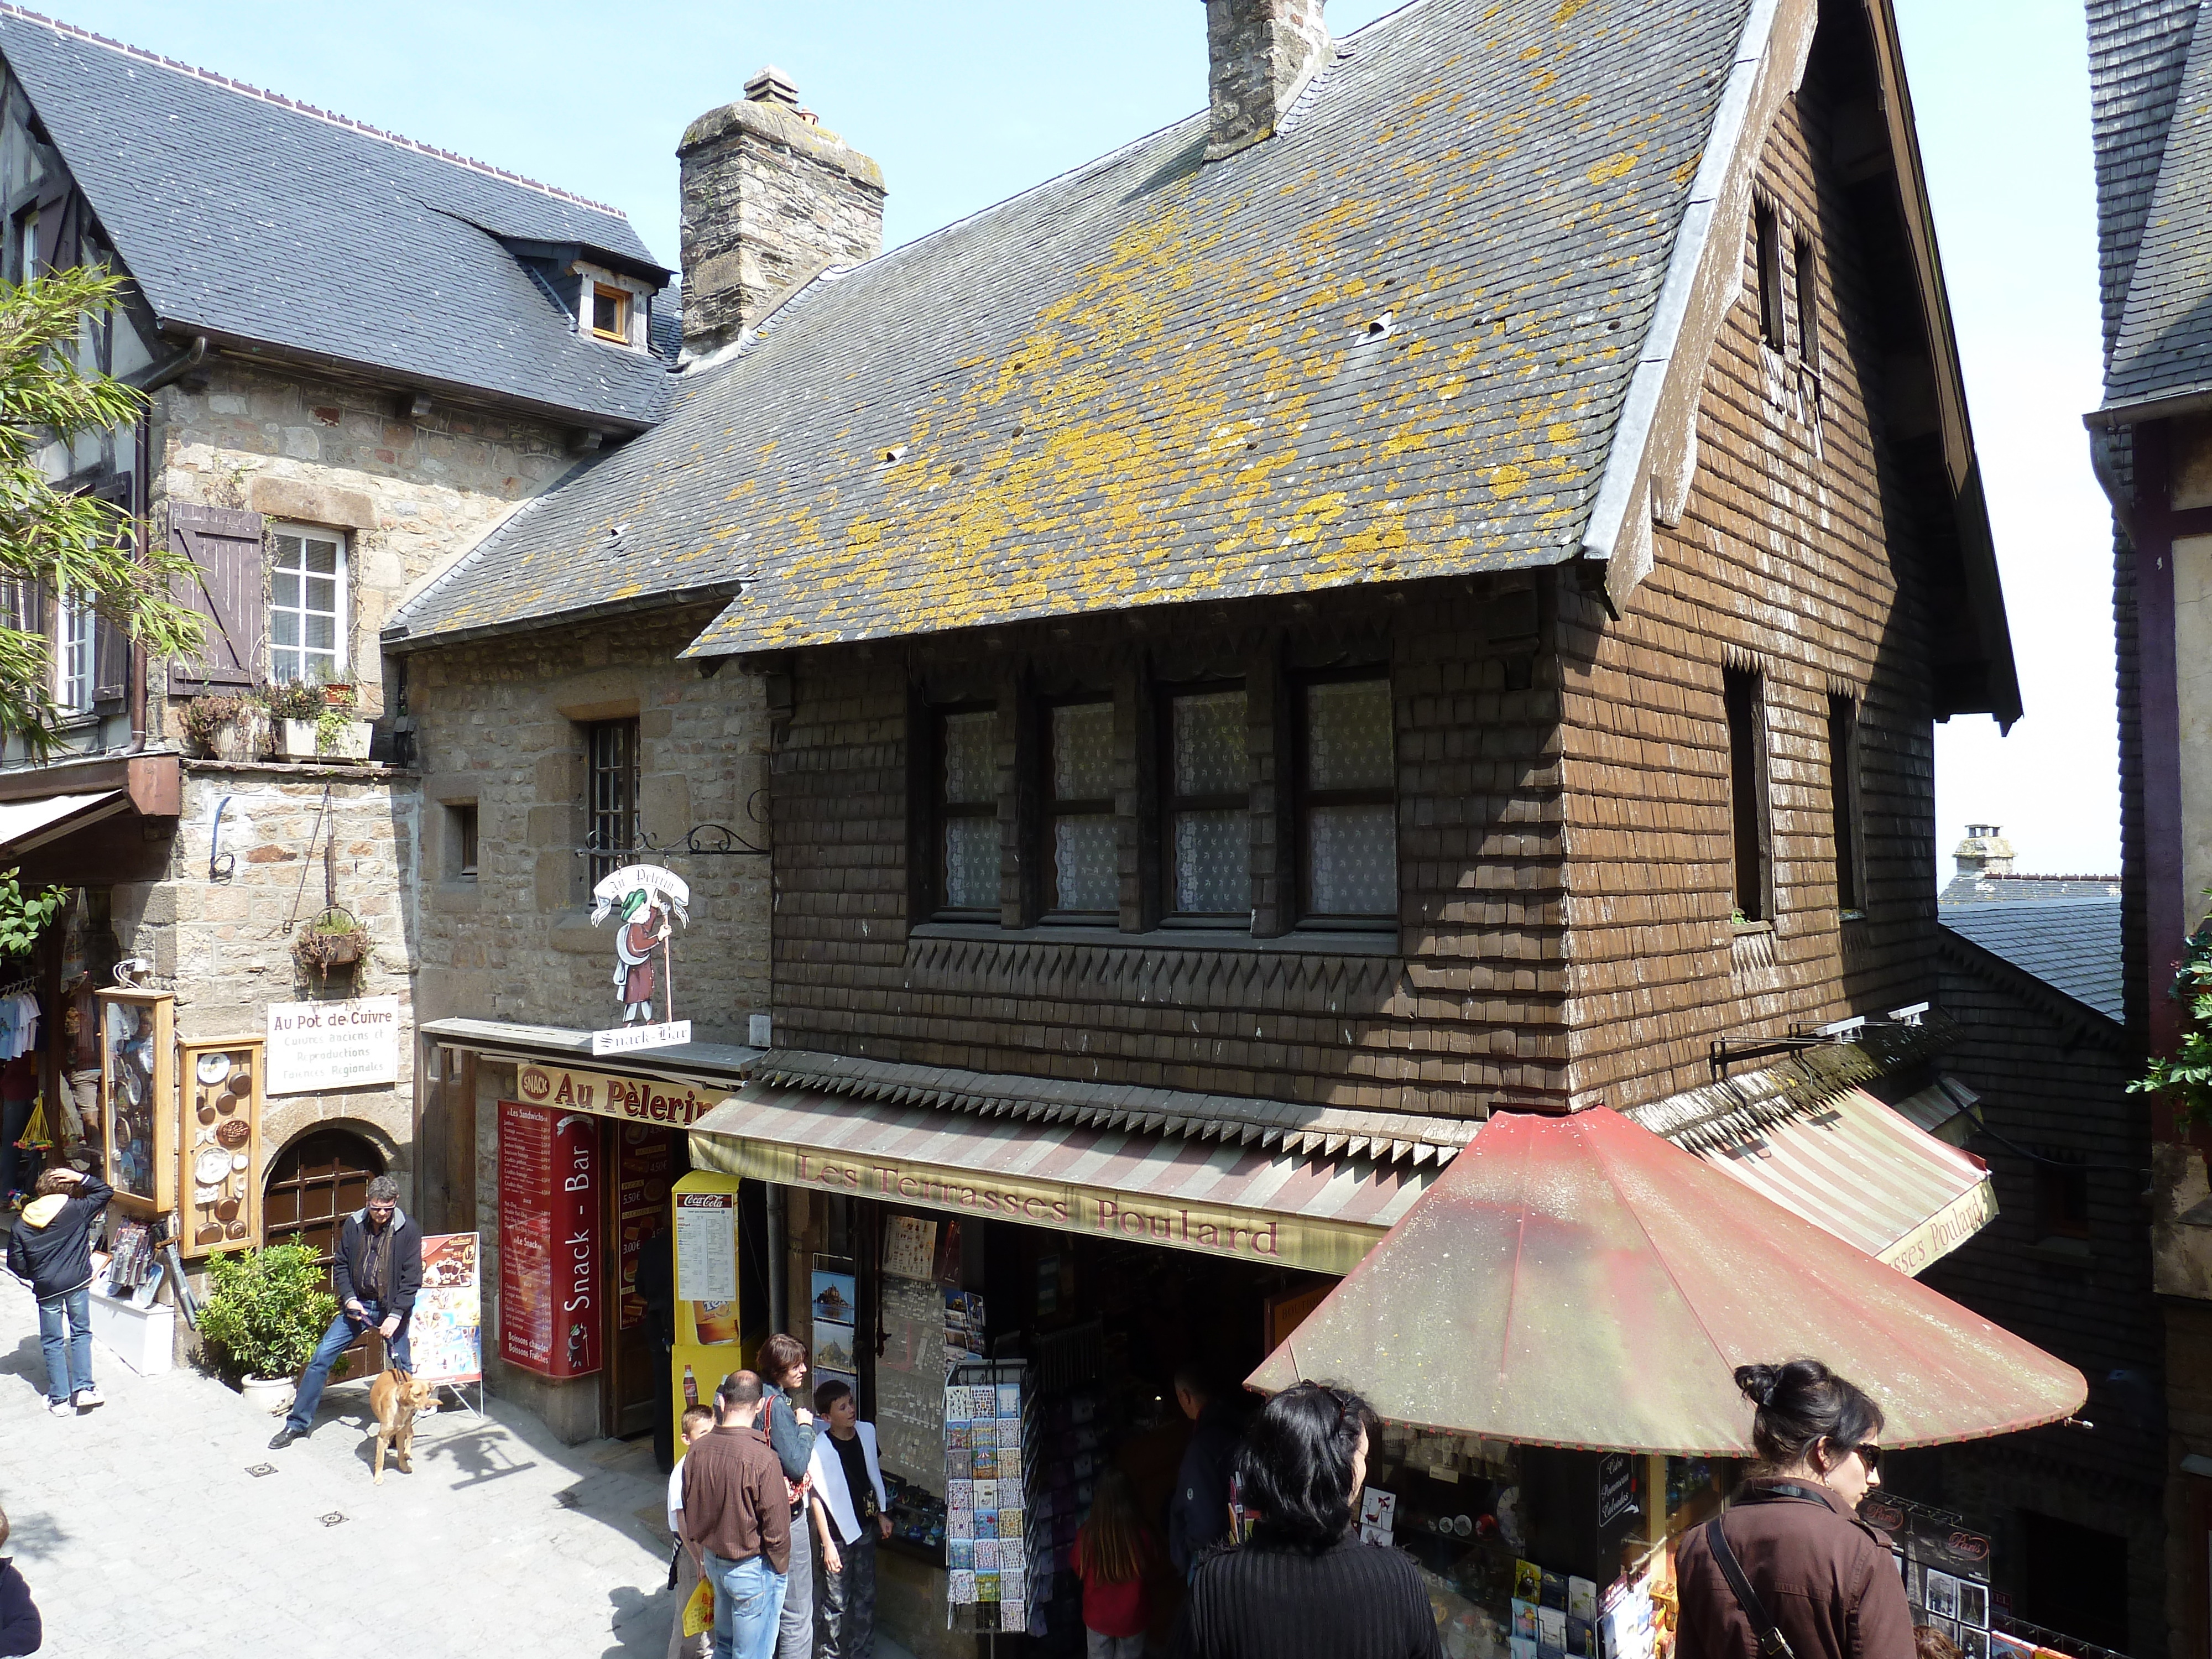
{"type": "Point", "coordinates": [1869, 1454]}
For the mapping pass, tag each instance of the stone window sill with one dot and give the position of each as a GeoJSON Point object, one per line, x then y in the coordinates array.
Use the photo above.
{"type": "Point", "coordinates": [1304, 943]}
{"type": "Point", "coordinates": [1741, 928]}
{"type": "Point", "coordinates": [2072, 1253]}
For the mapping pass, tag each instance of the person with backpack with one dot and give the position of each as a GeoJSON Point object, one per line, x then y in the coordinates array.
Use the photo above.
{"type": "Point", "coordinates": [1112, 1548]}
{"type": "Point", "coordinates": [1790, 1557]}
{"type": "Point", "coordinates": [51, 1250]}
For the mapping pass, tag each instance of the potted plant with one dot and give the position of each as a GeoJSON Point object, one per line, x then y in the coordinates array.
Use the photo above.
{"type": "Point", "coordinates": [333, 939]}
{"type": "Point", "coordinates": [265, 1311]}
{"type": "Point", "coordinates": [227, 727]}
{"type": "Point", "coordinates": [315, 721]}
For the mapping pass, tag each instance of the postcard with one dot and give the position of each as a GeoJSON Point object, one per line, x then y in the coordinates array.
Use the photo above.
{"type": "Point", "coordinates": [1942, 1595]}
{"type": "Point", "coordinates": [833, 1347]}
{"type": "Point", "coordinates": [1973, 1604]}
{"type": "Point", "coordinates": [1524, 1618]}
{"type": "Point", "coordinates": [1520, 1647]}
{"type": "Point", "coordinates": [960, 1494]}
{"type": "Point", "coordinates": [1551, 1628]}
{"type": "Point", "coordinates": [962, 1590]}
{"type": "Point", "coordinates": [835, 1296]}
{"type": "Point", "coordinates": [959, 1523]}
{"type": "Point", "coordinates": [1974, 1644]}
{"type": "Point", "coordinates": [960, 1554]}
{"type": "Point", "coordinates": [987, 1495]}
{"type": "Point", "coordinates": [1010, 1400]}
{"type": "Point", "coordinates": [986, 1555]}
{"type": "Point", "coordinates": [1581, 1598]}
{"type": "Point", "coordinates": [1527, 1581]}
{"type": "Point", "coordinates": [1011, 1522]}
{"type": "Point", "coordinates": [1554, 1591]}
{"type": "Point", "coordinates": [1579, 1639]}
{"type": "Point", "coordinates": [986, 1586]}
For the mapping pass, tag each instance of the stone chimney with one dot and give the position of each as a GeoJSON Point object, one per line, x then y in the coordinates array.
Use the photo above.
{"type": "Point", "coordinates": [1263, 53]}
{"type": "Point", "coordinates": [769, 197]}
{"type": "Point", "coordinates": [1984, 852]}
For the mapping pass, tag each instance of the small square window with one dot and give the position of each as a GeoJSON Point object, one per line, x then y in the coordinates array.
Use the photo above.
{"type": "Point", "coordinates": [610, 314]}
{"type": "Point", "coordinates": [461, 841]}
{"type": "Point", "coordinates": [1208, 808]}
{"type": "Point", "coordinates": [307, 605]}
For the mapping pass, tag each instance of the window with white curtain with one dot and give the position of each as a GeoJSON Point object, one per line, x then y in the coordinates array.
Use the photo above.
{"type": "Point", "coordinates": [307, 604]}
{"type": "Point", "coordinates": [1347, 802]}
{"type": "Point", "coordinates": [73, 682]}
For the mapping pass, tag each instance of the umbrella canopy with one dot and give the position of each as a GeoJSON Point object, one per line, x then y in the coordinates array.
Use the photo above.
{"type": "Point", "coordinates": [1579, 1281]}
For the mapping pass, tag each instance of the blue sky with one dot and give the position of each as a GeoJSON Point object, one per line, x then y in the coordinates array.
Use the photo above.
{"type": "Point", "coordinates": [966, 102]}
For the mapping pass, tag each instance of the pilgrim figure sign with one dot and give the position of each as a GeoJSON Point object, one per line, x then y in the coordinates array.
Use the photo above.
{"type": "Point", "coordinates": [644, 902]}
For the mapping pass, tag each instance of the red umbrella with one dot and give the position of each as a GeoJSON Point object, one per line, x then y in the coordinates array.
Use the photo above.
{"type": "Point", "coordinates": [1579, 1281]}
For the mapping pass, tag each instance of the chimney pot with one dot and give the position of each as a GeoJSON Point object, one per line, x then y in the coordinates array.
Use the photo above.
{"type": "Point", "coordinates": [1262, 54]}
{"type": "Point", "coordinates": [770, 197]}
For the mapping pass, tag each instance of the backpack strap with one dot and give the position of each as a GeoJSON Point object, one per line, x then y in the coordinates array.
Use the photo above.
{"type": "Point", "coordinates": [1771, 1642]}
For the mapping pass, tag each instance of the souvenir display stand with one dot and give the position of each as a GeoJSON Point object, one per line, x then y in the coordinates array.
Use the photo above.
{"type": "Point", "coordinates": [219, 1169]}
{"type": "Point", "coordinates": [990, 1532]}
{"type": "Point", "coordinates": [137, 1100]}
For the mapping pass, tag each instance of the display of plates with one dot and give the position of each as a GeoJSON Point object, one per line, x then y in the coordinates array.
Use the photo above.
{"type": "Point", "coordinates": [212, 1167]}
{"type": "Point", "coordinates": [213, 1068]}
{"type": "Point", "coordinates": [238, 1160]}
{"type": "Point", "coordinates": [233, 1133]}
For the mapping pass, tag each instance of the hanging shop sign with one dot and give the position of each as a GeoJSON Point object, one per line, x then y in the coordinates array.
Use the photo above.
{"type": "Point", "coordinates": [445, 1332]}
{"type": "Point", "coordinates": [137, 1100]}
{"type": "Point", "coordinates": [219, 1175]}
{"type": "Point", "coordinates": [549, 1243]}
{"type": "Point", "coordinates": [637, 1099]}
{"type": "Point", "coordinates": [313, 1046]}
{"type": "Point", "coordinates": [645, 901]}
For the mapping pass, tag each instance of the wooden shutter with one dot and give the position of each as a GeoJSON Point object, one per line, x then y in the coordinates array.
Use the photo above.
{"type": "Point", "coordinates": [225, 544]}
{"type": "Point", "coordinates": [61, 218]}
{"type": "Point", "coordinates": [111, 646]}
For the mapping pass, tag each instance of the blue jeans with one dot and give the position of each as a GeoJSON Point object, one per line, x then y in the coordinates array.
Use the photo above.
{"type": "Point", "coordinates": [66, 1332]}
{"type": "Point", "coordinates": [336, 1340]}
{"type": "Point", "coordinates": [748, 1602]}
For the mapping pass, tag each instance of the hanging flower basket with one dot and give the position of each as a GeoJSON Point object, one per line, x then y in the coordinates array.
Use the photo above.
{"type": "Point", "coordinates": [333, 939]}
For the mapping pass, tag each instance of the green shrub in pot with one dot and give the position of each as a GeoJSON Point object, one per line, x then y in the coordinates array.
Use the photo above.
{"type": "Point", "coordinates": [265, 1310]}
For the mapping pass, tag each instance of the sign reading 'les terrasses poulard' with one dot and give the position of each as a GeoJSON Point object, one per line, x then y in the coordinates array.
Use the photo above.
{"type": "Point", "coordinates": [636, 1099]}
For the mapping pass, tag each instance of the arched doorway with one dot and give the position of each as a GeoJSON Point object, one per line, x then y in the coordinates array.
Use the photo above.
{"type": "Point", "coordinates": [315, 1183]}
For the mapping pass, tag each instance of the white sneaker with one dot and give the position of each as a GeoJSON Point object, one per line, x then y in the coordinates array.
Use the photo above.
{"type": "Point", "coordinates": [61, 1408]}
{"type": "Point", "coordinates": [89, 1396]}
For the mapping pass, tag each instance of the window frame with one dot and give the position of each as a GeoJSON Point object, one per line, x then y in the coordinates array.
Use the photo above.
{"type": "Point", "coordinates": [1051, 810]}
{"type": "Point", "coordinates": [622, 772]}
{"type": "Point", "coordinates": [942, 811]}
{"type": "Point", "coordinates": [1750, 796]}
{"type": "Point", "coordinates": [1766, 254]}
{"type": "Point", "coordinates": [1806, 259]}
{"type": "Point", "coordinates": [464, 840]}
{"type": "Point", "coordinates": [1304, 798]}
{"type": "Point", "coordinates": [1171, 805]}
{"type": "Point", "coordinates": [27, 246]}
{"type": "Point", "coordinates": [1847, 811]}
{"type": "Point", "coordinates": [341, 619]}
{"type": "Point", "coordinates": [619, 335]}
{"type": "Point", "coordinates": [76, 644]}
{"type": "Point", "coordinates": [2062, 1200]}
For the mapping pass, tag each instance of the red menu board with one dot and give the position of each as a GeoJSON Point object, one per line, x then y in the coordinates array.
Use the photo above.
{"type": "Point", "coordinates": [549, 1240]}
{"type": "Point", "coordinates": [644, 1164]}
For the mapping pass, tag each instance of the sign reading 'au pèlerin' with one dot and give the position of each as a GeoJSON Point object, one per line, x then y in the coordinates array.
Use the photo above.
{"type": "Point", "coordinates": [636, 1099]}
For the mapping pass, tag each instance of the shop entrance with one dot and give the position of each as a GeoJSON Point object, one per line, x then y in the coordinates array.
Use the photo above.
{"type": "Point", "coordinates": [319, 1180]}
{"type": "Point", "coordinates": [641, 1161]}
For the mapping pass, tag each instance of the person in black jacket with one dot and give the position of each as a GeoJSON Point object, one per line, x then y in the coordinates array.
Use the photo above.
{"type": "Point", "coordinates": [1198, 1514]}
{"type": "Point", "coordinates": [51, 1249]}
{"type": "Point", "coordinates": [22, 1631]}
{"type": "Point", "coordinates": [377, 1272]}
{"type": "Point", "coordinates": [1305, 1585]}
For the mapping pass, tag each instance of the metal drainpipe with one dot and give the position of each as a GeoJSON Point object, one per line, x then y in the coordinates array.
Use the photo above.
{"type": "Point", "coordinates": [779, 1267]}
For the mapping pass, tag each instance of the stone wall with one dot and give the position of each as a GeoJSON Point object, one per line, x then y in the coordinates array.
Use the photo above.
{"type": "Point", "coordinates": [223, 941]}
{"type": "Point", "coordinates": [412, 494]}
{"type": "Point", "coordinates": [500, 727]}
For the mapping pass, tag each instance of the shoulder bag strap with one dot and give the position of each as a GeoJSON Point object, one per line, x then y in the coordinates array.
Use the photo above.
{"type": "Point", "coordinates": [1771, 1642]}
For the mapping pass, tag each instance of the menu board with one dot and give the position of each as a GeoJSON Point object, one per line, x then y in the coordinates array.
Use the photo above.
{"type": "Point", "coordinates": [644, 1162]}
{"type": "Point", "coordinates": [911, 1381]}
{"type": "Point", "coordinates": [137, 1095]}
{"type": "Point", "coordinates": [549, 1267]}
{"type": "Point", "coordinates": [446, 1332]}
{"type": "Point", "coordinates": [219, 1175]}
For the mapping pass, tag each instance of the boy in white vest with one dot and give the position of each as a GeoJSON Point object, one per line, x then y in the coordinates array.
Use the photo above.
{"type": "Point", "coordinates": [850, 1512]}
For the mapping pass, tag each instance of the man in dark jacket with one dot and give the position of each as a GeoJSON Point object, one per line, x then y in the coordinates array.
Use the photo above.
{"type": "Point", "coordinates": [51, 1250]}
{"type": "Point", "coordinates": [1198, 1514]}
{"type": "Point", "coordinates": [377, 1270]}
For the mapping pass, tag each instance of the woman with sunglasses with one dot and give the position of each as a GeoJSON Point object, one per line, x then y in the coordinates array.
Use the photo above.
{"type": "Point", "coordinates": [1304, 1585]}
{"type": "Point", "coordinates": [1791, 1554]}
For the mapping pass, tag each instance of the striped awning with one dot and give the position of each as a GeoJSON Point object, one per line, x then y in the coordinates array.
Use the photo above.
{"type": "Point", "coordinates": [1857, 1168]}
{"type": "Point", "coordinates": [1254, 1204]}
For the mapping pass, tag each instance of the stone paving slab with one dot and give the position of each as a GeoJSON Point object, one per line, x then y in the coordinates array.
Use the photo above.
{"type": "Point", "coordinates": [142, 1534]}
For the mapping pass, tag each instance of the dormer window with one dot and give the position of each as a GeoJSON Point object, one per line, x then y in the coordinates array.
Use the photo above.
{"type": "Point", "coordinates": [610, 314]}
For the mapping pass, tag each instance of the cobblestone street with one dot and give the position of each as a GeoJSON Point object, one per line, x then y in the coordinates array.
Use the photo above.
{"type": "Point", "coordinates": [142, 1531]}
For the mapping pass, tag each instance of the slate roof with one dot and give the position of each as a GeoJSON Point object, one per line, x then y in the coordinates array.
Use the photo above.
{"type": "Point", "coordinates": [2072, 944]}
{"type": "Point", "coordinates": [2137, 49]}
{"type": "Point", "coordinates": [1967, 888]}
{"type": "Point", "coordinates": [1153, 380]}
{"type": "Point", "coordinates": [245, 217]}
{"type": "Point", "coordinates": [2163, 346]}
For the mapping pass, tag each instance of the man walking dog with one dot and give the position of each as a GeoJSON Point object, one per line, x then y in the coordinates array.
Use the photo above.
{"type": "Point", "coordinates": [377, 1273]}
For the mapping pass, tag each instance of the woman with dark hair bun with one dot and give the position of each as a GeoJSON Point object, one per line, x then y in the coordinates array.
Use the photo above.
{"type": "Point", "coordinates": [1790, 1559]}
{"type": "Point", "coordinates": [1305, 1585]}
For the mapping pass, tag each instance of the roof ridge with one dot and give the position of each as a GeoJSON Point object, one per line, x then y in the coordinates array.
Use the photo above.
{"type": "Point", "coordinates": [247, 89]}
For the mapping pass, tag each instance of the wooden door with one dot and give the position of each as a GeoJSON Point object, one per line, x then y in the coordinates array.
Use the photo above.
{"type": "Point", "coordinates": [643, 1160]}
